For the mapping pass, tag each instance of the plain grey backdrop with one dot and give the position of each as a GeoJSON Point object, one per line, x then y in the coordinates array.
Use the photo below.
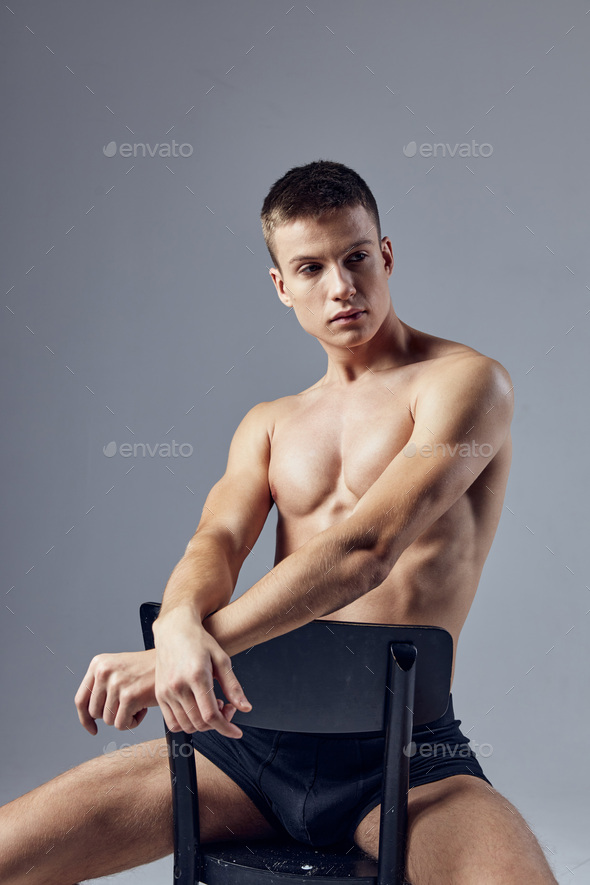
{"type": "Point", "coordinates": [138, 310]}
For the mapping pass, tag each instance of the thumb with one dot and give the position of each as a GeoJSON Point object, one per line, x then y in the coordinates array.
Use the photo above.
{"type": "Point", "coordinates": [139, 717]}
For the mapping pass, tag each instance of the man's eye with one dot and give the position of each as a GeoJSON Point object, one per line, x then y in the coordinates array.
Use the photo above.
{"type": "Point", "coordinates": [313, 268]}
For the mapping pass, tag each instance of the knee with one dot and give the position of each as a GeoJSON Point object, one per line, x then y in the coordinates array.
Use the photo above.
{"type": "Point", "coordinates": [474, 833]}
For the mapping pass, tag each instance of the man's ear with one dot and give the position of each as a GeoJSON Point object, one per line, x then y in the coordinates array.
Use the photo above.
{"type": "Point", "coordinates": [387, 253]}
{"type": "Point", "coordinates": [279, 284]}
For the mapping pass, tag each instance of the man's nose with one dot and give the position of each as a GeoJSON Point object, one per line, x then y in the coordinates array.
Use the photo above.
{"type": "Point", "coordinates": [340, 283]}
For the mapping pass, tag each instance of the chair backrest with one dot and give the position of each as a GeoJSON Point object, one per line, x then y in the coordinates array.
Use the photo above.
{"type": "Point", "coordinates": [329, 676]}
{"type": "Point", "coordinates": [324, 677]}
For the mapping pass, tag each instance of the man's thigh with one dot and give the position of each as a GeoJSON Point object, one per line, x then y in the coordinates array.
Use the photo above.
{"type": "Point", "coordinates": [113, 813]}
{"type": "Point", "coordinates": [134, 785]}
{"type": "Point", "coordinates": [461, 830]}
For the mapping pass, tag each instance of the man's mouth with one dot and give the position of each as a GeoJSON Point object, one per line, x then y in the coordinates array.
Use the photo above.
{"type": "Point", "coordinates": [347, 316]}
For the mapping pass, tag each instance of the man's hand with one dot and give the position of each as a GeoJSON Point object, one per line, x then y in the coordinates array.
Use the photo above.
{"type": "Point", "coordinates": [188, 658]}
{"type": "Point", "coordinates": [117, 688]}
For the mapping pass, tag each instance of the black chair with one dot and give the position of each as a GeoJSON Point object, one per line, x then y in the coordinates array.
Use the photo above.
{"type": "Point", "coordinates": [327, 676]}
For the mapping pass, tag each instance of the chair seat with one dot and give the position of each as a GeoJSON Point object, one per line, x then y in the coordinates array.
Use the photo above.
{"type": "Point", "coordinates": [281, 860]}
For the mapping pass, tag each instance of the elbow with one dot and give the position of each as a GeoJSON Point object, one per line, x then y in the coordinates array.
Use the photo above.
{"type": "Point", "coordinates": [372, 555]}
{"type": "Point", "coordinates": [372, 568]}
{"type": "Point", "coordinates": [383, 561]}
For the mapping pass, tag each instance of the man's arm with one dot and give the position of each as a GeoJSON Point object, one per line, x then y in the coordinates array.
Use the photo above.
{"type": "Point", "coordinates": [469, 401]}
{"type": "Point", "coordinates": [187, 657]}
{"type": "Point", "coordinates": [235, 511]}
{"type": "Point", "coordinates": [120, 687]}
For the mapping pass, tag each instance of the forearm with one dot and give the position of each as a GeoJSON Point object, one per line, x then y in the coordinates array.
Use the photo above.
{"type": "Point", "coordinates": [325, 574]}
{"type": "Point", "coordinates": [187, 657]}
{"type": "Point", "coordinates": [203, 580]}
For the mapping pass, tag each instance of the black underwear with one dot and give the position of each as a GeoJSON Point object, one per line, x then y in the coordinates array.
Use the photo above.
{"type": "Point", "coordinates": [319, 788]}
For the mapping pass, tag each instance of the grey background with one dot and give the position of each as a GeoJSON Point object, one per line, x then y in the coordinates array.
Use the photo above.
{"type": "Point", "coordinates": [139, 309]}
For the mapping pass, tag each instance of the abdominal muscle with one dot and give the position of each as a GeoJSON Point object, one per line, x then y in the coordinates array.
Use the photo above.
{"type": "Point", "coordinates": [425, 587]}
{"type": "Point", "coordinates": [434, 581]}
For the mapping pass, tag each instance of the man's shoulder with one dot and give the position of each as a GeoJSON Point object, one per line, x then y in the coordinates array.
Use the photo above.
{"type": "Point", "coordinates": [465, 386]}
{"type": "Point", "coordinates": [459, 375]}
{"type": "Point", "coordinates": [446, 359]}
{"type": "Point", "coordinates": [264, 415]}
{"type": "Point", "coordinates": [271, 410]}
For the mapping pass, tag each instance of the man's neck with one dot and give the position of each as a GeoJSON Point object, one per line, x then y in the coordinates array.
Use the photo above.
{"type": "Point", "coordinates": [388, 349]}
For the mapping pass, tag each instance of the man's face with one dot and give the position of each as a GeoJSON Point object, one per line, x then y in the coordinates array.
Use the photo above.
{"type": "Point", "coordinates": [335, 275]}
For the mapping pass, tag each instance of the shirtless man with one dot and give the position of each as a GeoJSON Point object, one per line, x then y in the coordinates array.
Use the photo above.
{"type": "Point", "coordinates": [388, 476]}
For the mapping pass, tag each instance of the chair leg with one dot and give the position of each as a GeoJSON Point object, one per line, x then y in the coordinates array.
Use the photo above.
{"type": "Point", "coordinates": [394, 800]}
{"type": "Point", "coordinates": [185, 809]}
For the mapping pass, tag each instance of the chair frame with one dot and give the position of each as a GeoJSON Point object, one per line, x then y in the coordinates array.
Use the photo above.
{"type": "Point", "coordinates": [406, 703]}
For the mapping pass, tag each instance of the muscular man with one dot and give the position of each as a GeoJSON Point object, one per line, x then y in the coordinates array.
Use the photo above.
{"type": "Point", "coordinates": [388, 475]}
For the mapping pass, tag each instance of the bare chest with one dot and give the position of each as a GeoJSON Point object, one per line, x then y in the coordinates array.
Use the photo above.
{"type": "Point", "coordinates": [330, 448]}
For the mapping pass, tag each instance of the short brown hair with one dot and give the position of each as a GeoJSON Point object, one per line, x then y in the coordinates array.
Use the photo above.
{"type": "Point", "coordinates": [310, 191]}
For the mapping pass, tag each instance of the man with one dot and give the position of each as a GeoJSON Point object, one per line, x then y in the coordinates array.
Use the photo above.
{"type": "Point", "coordinates": [388, 475]}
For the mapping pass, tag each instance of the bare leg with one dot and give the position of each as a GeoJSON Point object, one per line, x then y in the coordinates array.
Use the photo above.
{"type": "Point", "coordinates": [113, 813]}
{"type": "Point", "coordinates": [460, 830]}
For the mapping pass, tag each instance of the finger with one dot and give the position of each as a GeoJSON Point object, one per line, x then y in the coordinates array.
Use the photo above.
{"type": "Point", "coordinates": [127, 717]}
{"type": "Point", "coordinates": [81, 700]}
{"type": "Point", "coordinates": [110, 709]}
{"type": "Point", "coordinates": [177, 719]}
{"type": "Point", "coordinates": [228, 711]}
{"type": "Point", "coordinates": [196, 707]}
{"type": "Point", "coordinates": [131, 720]}
{"type": "Point", "coordinates": [230, 685]}
{"type": "Point", "coordinates": [97, 701]}
{"type": "Point", "coordinates": [170, 720]}
{"type": "Point", "coordinates": [213, 717]}
{"type": "Point", "coordinates": [186, 714]}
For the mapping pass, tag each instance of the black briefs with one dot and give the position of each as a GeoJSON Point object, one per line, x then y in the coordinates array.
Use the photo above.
{"type": "Point", "coordinates": [319, 788]}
